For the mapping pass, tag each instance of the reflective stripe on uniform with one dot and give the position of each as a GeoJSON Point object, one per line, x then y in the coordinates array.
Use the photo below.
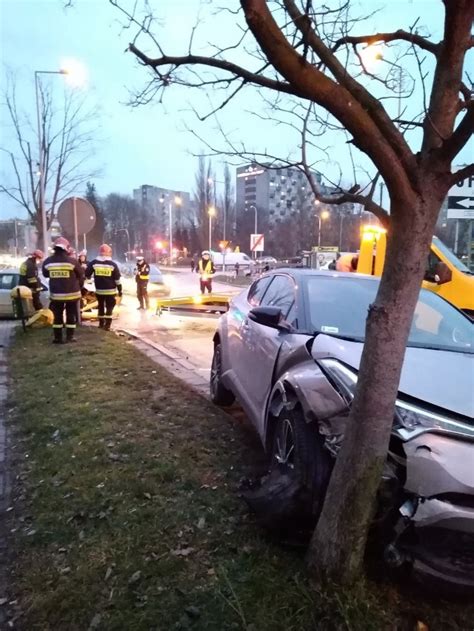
{"type": "Point", "coordinates": [58, 326]}
{"type": "Point", "coordinates": [60, 265]}
{"type": "Point", "coordinates": [70, 326]}
{"type": "Point", "coordinates": [61, 297]}
{"type": "Point", "coordinates": [144, 277]}
{"type": "Point", "coordinates": [108, 317]}
{"type": "Point", "coordinates": [31, 279]}
{"type": "Point", "coordinates": [106, 292]}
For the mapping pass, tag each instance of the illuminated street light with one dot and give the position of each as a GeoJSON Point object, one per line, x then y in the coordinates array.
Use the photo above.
{"type": "Point", "coordinates": [41, 142]}
{"type": "Point", "coordinates": [212, 213]}
{"type": "Point", "coordinates": [324, 214]}
{"type": "Point", "coordinates": [177, 202]}
{"type": "Point", "coordinates": [374, 53]}
{"type": "Point", "coordinates": [75, 71]}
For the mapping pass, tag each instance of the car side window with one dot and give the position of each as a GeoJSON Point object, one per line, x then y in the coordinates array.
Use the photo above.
{"type": "Point", "coordinates": [281, 294]}
{"type": "Point", "coordinates": [257, 290]}
{"type": "Point", "coordinates": [6, 281]}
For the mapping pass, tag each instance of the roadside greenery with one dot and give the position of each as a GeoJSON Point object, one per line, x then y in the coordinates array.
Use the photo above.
{"type": "Point", "coordinates": [126, 511]}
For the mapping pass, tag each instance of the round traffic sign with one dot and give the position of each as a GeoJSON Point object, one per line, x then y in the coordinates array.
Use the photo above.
{"type": "Point", "coordinates": [84, 219]}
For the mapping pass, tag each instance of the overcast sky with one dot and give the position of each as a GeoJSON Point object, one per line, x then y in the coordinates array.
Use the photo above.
{"type": "Point", "coordinates": [148, 144]}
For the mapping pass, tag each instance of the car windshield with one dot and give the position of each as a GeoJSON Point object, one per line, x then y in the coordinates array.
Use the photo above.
{"type": "Point", "coordinates": [452, 258]}
{"type": "Point", "coordinates": [339, 305]}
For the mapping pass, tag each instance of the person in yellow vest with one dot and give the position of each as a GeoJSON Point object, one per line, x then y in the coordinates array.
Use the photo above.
{"type": "Point", "coordinates": [206, 270]}
{"type": "Point", "coordinates": [142, 276]}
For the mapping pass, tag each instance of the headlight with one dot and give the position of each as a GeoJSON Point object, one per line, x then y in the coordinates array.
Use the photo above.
{"type": "Point", "coordinates": [414, 420]}
{"type": "Point", "coordinates": [410, 420]}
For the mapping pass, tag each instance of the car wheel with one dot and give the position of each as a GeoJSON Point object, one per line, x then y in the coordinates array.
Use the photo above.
{"type": "Point", "coordinates": [220, 395]}
{"type": "Point", "coordinates": [293, 491]}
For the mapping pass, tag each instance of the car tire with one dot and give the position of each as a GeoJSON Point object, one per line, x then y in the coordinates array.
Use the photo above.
{"type": "Point", "coordinates": [220, 395]}
{"type": "Point", "coordinates": [293, 491]}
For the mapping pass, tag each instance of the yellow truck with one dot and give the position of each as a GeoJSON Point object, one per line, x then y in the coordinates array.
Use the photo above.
{"type": "Point", "coordinates": [445, 273]}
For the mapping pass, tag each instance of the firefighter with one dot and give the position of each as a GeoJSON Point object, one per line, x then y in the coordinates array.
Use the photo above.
{"type": "Point", "coordinates": [347, 263]}
{"type": "Point", "coordinates": [142, 276]}
{"type": "Point", "coordinates": [107, 284]}
{"type": "Point", "coordinates": [206, 270]}
{"type": "Point", "coordinates": [30, 278]}
{"type": "Point", "coordinates": [66, 278]}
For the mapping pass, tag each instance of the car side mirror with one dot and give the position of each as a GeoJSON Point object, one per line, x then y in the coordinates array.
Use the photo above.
{"type": "Point", "coordinates": [268, 316]}
{"type": "Point", "coordinates": [443, 273]}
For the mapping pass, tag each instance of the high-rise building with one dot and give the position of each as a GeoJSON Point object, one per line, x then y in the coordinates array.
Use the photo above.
{"type": "Point", "coordinates": [156, 200]}
{"type": "Point", "coordinates": [277, 193]}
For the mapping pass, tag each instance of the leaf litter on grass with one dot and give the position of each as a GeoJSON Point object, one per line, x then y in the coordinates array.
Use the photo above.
{"type": "Point", "coordinates": [136, 511]}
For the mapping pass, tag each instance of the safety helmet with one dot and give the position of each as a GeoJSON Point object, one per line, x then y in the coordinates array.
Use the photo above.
{"type": "Point", "coordinates": [105, 250]}
{"type": "Point", "coordinates": [62, 244]}
{"type": "Point", "coordinates": [205, 253]}
{"type": "Point", "coordinates": [140, 258]}
{"type": "Point", "coordinates": [38, 254]}
{"type": "Point", "coordinates": [83, 253]}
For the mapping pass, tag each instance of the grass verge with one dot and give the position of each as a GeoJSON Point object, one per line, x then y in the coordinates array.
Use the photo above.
{"type": "Point", "coordinates": [126, 514]}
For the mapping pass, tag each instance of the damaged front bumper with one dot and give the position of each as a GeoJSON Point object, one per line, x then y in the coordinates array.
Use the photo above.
{"type": "Point", "coordinates": [438, 517]}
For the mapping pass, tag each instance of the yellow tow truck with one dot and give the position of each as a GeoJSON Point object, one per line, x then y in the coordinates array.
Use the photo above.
{"type": "Point", "coordinates": [445, 274]}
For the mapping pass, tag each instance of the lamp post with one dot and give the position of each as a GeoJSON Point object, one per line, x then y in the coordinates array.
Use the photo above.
{"type": "Point", "coordinates": [177, 202]}
{"type": "Point", "coordinates": [77, 75]}
{"type": "Point", "coordinates": [324, 214]}
{"type": "Point", "coordinates": [42, 185]}
{"type": "Point", "coordinates": [255, 227]}
{"type": "Point", "coordinates": [213, 183]}
{"type": "Point", "coordinates": [212, 213]}
{"type": "Point", "coordinates": [128, 238]}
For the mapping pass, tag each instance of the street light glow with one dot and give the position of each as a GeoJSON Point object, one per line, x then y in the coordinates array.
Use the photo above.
{"type": "Point", "coordinates": [75, 71]}
{"type": "Point", "coordinates": [212, 211]}
{"type": "Point", "coordinates": [325, 214]}
{"type": "Point", "coordinates": [371, 55]}
{"type": "Point", "coordinates": [177, 200]}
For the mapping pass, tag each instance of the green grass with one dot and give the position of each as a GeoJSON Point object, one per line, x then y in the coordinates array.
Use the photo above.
{"type": "Point", "coordinates": [127, 512]}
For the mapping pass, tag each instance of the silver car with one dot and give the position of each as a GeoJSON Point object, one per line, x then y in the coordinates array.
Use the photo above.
{"type": "Point", "coordinates": [9, 279]}
{"type": "Point", "coordinates": [289, 350]}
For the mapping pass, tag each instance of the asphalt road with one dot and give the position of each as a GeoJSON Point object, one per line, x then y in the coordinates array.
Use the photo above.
{"type": "Point", "coordinates": [189, 337]}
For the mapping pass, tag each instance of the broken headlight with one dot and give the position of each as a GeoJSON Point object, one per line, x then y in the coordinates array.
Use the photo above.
{"type": "Point", "coordinates": [410, 420]}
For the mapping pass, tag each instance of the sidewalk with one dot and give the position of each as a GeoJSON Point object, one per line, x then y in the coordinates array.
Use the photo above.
{"type": "Point", "coordinates": [6, 331]}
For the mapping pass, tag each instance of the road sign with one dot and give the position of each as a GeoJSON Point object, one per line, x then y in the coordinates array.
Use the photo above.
{"type": "Point", "coordinates": [461, 200]}
{"type": "Point", "coordinates": [76, 216]}
{"type": "Point", "coordinates": [257, 242]}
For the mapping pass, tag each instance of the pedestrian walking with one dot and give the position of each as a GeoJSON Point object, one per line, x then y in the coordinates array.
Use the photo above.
{"type": "Point", "coordinates": [193, 265]}
{"type": "Point", "coordinates": [107, 284]}
{"type": "Point", "coordinates": [142, 276]}
{"type": "Point", "coordinates": [29, 276]}
{"type": "Point", "coordinates": [206, 270]}
{"type": "Point", "coordinates": [66, 278]}
{"type": "Point", "coordinates": [237, 268]}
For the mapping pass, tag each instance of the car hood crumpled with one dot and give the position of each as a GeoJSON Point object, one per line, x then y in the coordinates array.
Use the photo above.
{"type": "Point", "coordinates": [441, 378]}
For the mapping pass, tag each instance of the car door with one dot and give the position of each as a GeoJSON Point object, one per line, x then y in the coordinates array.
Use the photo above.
{"type": "Point", "coordinates": [232, 344]}
{"type": "Point", "coordinates": [260, 347]}
{"type": "Point", "coordinates": [8, 280]}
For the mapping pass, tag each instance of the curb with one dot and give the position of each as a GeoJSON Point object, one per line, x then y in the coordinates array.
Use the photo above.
{"type": "Point", "coordinates": [171, 361]}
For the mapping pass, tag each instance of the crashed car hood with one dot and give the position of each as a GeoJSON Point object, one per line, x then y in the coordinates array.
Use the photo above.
{"type": "Point", "coordinates": [441, 378]}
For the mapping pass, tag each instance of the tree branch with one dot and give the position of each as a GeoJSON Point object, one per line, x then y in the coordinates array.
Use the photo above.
{"type": "Point", "coordinates": [462, 174]}
{"type": "Point", "coordinates": [400, 35]}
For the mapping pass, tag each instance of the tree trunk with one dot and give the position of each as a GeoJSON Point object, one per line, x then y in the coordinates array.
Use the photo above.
{"type": "Point", "coordinates": [338, 543]}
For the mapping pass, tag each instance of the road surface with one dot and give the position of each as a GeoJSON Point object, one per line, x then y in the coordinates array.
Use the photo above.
{"type": "Point", "coordinates": [190, 337]}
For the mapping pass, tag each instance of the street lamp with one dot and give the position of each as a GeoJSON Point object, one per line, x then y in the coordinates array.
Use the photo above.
{"type": "Point", "coordinates": [177, 202]}
{"type": "Point", "coordinates": [371, 55]}
{"type": "Point", "coordinates": [324, 214]}
{"type": "Point", "coordinates": [212, 213]}
{"type": "Point", "coordinates": [213, 183]}
{"type": "Point", "coordinates": [71, 69]}
{"type": "Point", "coordinates": [255, 227]}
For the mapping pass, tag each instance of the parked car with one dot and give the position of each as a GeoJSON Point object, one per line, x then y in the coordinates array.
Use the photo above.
{"type": "Point", "coordinates": [9, 279]}
{"type": "Point", "coordinates": [289, 350]}
{"type": "Point", "coordinates": [231, 259]}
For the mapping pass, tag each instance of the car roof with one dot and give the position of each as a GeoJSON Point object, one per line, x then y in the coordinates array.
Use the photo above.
{"type": "Point", "coordinates": [300, 273]}
{"type": "Point", "coordinates": [9, 270]}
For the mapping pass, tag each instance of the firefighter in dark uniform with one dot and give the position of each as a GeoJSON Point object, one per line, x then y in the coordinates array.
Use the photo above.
{"type": "Point", "coordinates": [66, 278]}
{"type": "Point", "coordinates": [29, 276]}
{"type": "Point", "coordinates": [107, 284]}
{"type": "Point", "coordinates": [142, 276]}
{"type": "Point", "coordinates": [206, 270]}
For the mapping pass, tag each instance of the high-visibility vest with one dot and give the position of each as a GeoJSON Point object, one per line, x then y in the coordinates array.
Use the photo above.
{"type": "Point", "coordinates": [205, 270]}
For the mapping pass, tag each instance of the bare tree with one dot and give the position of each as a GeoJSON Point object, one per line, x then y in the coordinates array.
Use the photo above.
{"type": "Point", "coordinates": [68, 134]}
{"type": "Point", "coordinates": [308, 51]}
